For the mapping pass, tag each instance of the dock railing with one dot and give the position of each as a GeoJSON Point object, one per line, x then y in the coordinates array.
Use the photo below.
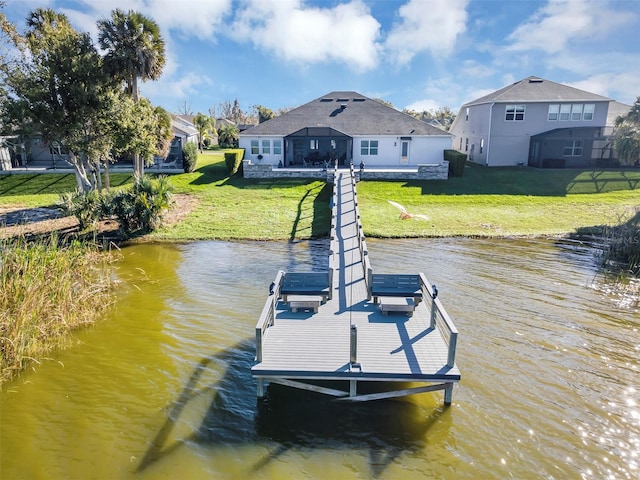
{"type": "Point", "coordinates": [268, 315]}
{"type": "Point", "coordinates": [362, 242]}
{"type": "Point", "coordinates": [440, 319]}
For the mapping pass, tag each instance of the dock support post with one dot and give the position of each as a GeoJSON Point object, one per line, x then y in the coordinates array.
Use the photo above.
{"type": "Point", "coordinates": [260, 387]}
{"type": "Point", "coordinates": [448, 394]}
{"type": "Point", "coordinates": [353, 388]}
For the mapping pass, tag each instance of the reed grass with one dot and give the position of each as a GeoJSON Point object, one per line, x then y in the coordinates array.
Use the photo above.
{"type": "Point", "coordinates": [48, 290]}
{"type": "Point", "coordinates": [621, 250]}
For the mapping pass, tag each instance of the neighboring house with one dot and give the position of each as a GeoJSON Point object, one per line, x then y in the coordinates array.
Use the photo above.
{"type": "Point", "coordinates": [348, 127]}
{"type": "Point", "coordinates": [183, 132]}
{"type": "Point", "coordinates": [534, 122]}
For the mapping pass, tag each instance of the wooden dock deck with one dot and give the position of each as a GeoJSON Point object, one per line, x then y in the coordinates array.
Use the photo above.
{"type": "Point", "coordinates": [319, 331]}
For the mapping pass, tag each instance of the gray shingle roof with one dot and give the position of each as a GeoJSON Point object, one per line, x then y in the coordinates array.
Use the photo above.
{"type": "Point", "coordinates": [616, 109]}
{"type": "Point", "coordinates": [348, 112]}
{"type": "Point", "coordinates": [535, 89]}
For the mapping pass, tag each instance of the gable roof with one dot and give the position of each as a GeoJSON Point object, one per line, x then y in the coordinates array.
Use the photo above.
{"type": "Point", "coordinates": [616, 109]}
{"type": "Point", "coordinates": [347, 112]}
{"type": "Point", "coordinates": [535, 89]}
{"type": "Point", "coordinates": [183, 129]}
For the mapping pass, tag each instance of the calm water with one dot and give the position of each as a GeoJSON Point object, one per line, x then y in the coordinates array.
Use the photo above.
{"type": "Point", "coordinates": [549, 360]}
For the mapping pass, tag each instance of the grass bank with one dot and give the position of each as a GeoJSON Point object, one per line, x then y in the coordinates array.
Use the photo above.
{"type": "Point", "coordinates": [48, 290]}
{"type": "Point", "coordinates": [238, 208]}
{"type": "Point", "coordinates": [489, 202]}
{"type": "Point", "coordinates": [484, 202]}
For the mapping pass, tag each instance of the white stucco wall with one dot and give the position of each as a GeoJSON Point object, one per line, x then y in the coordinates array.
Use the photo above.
{"type": "Point", "coordinates": [267, 159]}
{"type": "Point", "coordinates": [422, 150]}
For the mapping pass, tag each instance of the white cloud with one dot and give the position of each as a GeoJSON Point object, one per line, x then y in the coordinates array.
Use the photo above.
{"type": "Point", "coordinates": [475, 69]}
{"type": "Point", "coordinates": [440, 92]}
{"type": "Point", "coordinates": [193, 18]}
{"type": "Point", "coordinates": [81, 21]}
{"type": "Point", "coordinates": [424, 104]}
{"type": "Point", "coordinates": [346, 33]}
{"type": "Point", "coordinates": [560, 21]}
{"type": "Point", "coordinates": [426, 26]}
{"type": "Point", "coordinates": [180, 87]}
{"type": "Point", "coordinates": [620, 87]}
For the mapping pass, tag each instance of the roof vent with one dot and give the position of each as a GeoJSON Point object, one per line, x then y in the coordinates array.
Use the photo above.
{"type": "Point", "coordinates": [535, 80]}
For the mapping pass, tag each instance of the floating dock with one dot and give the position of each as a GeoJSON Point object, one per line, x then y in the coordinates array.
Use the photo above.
{"type": "Point", "coordinates": [330, 332]}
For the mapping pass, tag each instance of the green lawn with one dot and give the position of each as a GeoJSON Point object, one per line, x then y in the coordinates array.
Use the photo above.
{"type": "Point", "coordinates": [501, 202]}
{"type": "Point", "coordinates": [484, 202]}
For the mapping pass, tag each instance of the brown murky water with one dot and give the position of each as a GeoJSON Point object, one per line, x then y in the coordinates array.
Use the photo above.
{"type": "Point", "coordinates": [549, 359]}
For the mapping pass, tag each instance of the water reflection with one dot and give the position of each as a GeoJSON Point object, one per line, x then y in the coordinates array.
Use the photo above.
{"type": "Point", "coordinates": [286, 419]}
{"type": "Point", "coordinates": [162, 389]}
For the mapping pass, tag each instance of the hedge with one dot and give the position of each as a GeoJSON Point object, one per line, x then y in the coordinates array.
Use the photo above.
{"type": "Point", "coordinates": [457, 162]}
{"type": "Point", "coordinates": [233, 160]}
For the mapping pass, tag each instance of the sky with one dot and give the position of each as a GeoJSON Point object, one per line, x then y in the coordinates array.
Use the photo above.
{"type": "Point", "coordinates": [416, 54]}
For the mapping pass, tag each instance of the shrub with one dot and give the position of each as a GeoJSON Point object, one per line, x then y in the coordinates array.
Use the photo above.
{"type": "Point", "coordinates": [622, 245]}
{"type": "Point", "coordinates": [140, 209]}
{"type": "Point", "coordinates": [457, 162]}
{"type": "Point", "coordinates": [189, 157]}
{"type": "Point", "coordinates": [87, 207]}
{"type": "Point", "coordinates": [233, 160]}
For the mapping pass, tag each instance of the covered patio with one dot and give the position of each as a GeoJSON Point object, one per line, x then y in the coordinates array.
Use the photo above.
{"type": "Point", "coordinates": [317, 147]}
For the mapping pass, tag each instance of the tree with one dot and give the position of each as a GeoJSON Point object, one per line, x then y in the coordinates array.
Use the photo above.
{"type": "Point", "coordinates": [264, 113]}
{"type": "Point", "coordinates": [184, 107]}
{"type": "Point", "coordinates": [135, 49]}
{"type": "Point", "coordinates": [163, 132]}
{"type": "Point", "coordinates": [60, 91]}
{"type": "Point", "coordinates": [202, 123]}
{"type": "Point", "coordinates": [10, 40]}
{"type": "Point", "coordinates": [626, 137]}
{"type": "Point", "coordinates": [228, 136]}
{"type": "Point", "coordinates": [384, 102]}
{"type": "Point", "coordinates": [233, 111]}
{"type": "Point", "coordinates": [443, 115]}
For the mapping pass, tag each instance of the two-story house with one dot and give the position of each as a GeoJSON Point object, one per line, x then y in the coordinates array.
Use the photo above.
{"type": "Point", "coordinates": [534, 122]}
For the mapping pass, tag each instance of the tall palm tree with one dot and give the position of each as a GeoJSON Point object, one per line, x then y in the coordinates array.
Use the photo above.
{"type": "Point", "coordinates": [135, 49]}
{"type": "Point", "coordinates": [202, 123]}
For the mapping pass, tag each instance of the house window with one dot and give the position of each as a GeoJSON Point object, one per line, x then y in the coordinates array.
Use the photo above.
{"type": "Point", "coordinates": [587, 113]}
{"type": "Point", "coordinates": [571, 111]}
{"type": "Point", "coordinates": [466, 117]}
{"type": "Point", "coordinates": [576, 112]}
{"type": "Point", "coordinates": [266, 147]}
{"type": "Point", "coordinates": [255, 148]}
{"type": "Point", "coordinates": [466, 145]}
{"type": "Point", "coordinates": [277, 147]}
{"type": "Point", "coordinates": [369, 147]}
{"type": "Point", "coordinates": [481, 145]}
{"type": "Point", "coordinates": [573, 149]}
{"type": "Point", "coordinates": [314, 144]}
{"type": "Point", "coordinates": [460, 144]}
{"type": "Point", "coordinates": [514, 113]}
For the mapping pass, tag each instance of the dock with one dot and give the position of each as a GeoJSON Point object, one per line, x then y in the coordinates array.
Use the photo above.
{"type": "Point", "coordinates": [343, 331]}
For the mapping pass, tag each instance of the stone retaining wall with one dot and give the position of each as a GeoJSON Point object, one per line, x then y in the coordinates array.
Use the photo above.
{"type": "Point", "coordinates": [423, 172]}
